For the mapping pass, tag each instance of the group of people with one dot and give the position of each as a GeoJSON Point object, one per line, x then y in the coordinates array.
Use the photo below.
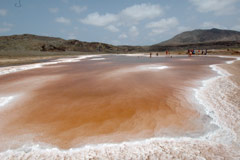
{"type": "Point", "coordinates": [152, 54]}
{"type": "Point", "coordinates": [190, 52]}
{"type": "Point", "coordinates": [193, 51]}
{"type": "Point", "coordinates": [167, 53]}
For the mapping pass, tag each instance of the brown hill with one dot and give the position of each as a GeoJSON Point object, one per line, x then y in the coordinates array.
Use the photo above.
{"type": "Point", "coordinates": [203, 36]}
{"type": "Point", "coordinates": [199, 39]}
{"type": "Point", "coordinates": [28, 42]}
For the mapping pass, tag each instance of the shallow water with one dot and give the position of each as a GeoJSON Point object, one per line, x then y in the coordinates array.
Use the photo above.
{"type": "Point", "coordinates": [110, 100]}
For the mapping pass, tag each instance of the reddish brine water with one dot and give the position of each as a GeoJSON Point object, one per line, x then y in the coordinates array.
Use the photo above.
{"type": "Point", "coordinates": [105, 99]}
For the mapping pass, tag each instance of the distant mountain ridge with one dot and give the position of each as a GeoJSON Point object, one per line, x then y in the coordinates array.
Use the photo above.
{"type": "Point", "coordinates": [203, 36]}
{"type": "Point", "coordinates": [29, 42]}
{"type": "Point", "coordinates": [199, 39]}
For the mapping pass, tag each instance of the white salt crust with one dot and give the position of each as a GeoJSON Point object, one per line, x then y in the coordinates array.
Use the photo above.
{"type": "Point", "coordinates": [222, 143]}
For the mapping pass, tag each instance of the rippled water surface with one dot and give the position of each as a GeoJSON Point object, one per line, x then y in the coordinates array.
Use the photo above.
{"type": "Point", "coordinates": [104, 99]}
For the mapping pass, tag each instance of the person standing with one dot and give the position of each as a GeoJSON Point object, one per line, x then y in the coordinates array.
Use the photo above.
{"type": "Point", "coordinates": [190, 53]}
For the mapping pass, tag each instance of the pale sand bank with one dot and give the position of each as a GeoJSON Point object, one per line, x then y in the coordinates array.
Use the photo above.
{"type": "Point", "coordinates": [12, 69]}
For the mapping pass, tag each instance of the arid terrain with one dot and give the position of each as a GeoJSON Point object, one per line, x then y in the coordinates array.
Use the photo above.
{"type": "Point", "coordinates": [70, 99]}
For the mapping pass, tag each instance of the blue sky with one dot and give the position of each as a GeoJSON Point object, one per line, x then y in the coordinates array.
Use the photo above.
{"type": "Point", "coordinates": [118, 22]}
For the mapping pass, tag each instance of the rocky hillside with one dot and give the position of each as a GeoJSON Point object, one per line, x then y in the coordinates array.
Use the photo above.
{"type": "Point", "coordinates": [28, 42]}
{"type": "Point", "coordinates": [198, 39]}
{"type": "Point", "coordinates": [203, 36]}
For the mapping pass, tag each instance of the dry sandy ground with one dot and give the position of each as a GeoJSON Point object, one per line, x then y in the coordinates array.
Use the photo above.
{"type": "Point", "coordinates": [8, 59]}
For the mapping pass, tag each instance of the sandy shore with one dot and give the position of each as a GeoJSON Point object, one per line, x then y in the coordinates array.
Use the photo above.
{"type": "Point", "coordinates": [217, 94]}
{"type": "Point", "coordinates": [49, 61]}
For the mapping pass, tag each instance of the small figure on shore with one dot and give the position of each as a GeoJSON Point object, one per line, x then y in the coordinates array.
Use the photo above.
{"type": "Point", "coordinates": [166, 52]}
{"type": "Point", "coordinates": [193, 52]}
{"type": "Point", "coordinates": [205, 51]}
{"type": "Point", "coordinates": [150, 55]}
{"type": "Point", "coordinates": [189, 53]}
{"type": "Point", "coordinates": [157, 54]}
